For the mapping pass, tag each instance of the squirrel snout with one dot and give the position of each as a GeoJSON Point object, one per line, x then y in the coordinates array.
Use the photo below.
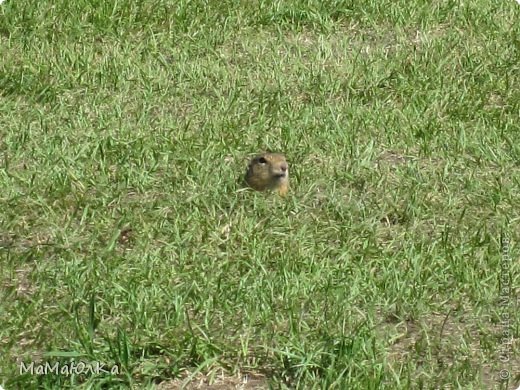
{"type": "Point", "coordinates": [281, 171]}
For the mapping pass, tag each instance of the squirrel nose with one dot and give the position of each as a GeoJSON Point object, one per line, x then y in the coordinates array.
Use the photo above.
{"type": "Point", "coordinates": [283, 167]}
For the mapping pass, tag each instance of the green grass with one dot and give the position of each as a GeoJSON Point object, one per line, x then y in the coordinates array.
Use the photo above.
{"type": "Point", "coordinates": [126, 238]}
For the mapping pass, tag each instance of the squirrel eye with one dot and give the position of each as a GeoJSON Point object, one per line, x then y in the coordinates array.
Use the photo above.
{"type": "Point", "coordinates": [262, 160]}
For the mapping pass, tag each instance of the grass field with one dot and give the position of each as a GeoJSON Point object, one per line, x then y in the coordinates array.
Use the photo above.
{"type": "Point", "coordinates": [127, 239]}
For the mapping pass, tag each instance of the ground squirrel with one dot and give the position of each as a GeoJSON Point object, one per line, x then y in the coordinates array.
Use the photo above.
{"type": "Point", "coordinates": [268, 171]}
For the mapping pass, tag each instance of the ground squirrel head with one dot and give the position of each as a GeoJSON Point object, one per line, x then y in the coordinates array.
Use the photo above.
{"type": "Point", "coordinates": [268, 171]}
